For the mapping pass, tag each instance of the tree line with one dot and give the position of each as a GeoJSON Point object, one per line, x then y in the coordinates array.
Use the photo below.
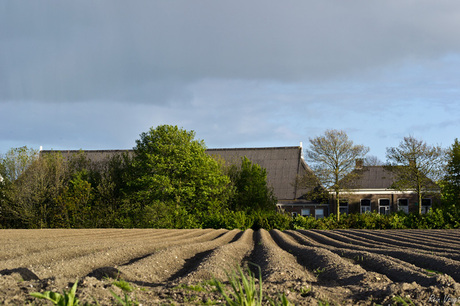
{"type": "Point", "coordinates": [169, 181]}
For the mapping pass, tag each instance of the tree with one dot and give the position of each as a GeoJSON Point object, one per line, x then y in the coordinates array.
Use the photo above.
{"type": "Point", "coordinates": [172, 167]}
{"type": "Point", "coordinates": [416, 165]}
{"type": "Point", "coordinates": [16, 161]}
{"type": "Point", "coordinates": [333, 158]}
{"type": "Point", "coordinates": [32, 198]}
{"type": "Point", "coordinates": [372, 160]}
{"type": "Point", "coordinates": [451, 181]}
{"type": "Point", "coordinates": [252, 191]}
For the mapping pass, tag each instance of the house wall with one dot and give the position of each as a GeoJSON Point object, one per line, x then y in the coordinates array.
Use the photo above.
{"type": "Point", "coordinates": [295, 208]}
{"type": "Point", "coordinates": [354, 201]}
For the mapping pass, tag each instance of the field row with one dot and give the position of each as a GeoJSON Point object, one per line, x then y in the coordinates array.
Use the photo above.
{"type": "Point", "coordinates": [340, 266]}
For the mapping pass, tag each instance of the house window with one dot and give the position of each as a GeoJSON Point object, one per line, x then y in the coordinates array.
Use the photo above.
{"type": "Point", "coordinates": [305, 212]}
{"type": "Point", "coordinates": [426, 205]}
{"type": "Point", "coordinates": [384, 206]}
{"type": "Point", "coordinates": [343, 207]}
{"type": "Point", "coordinates": [403, 205]}
{"type": "Point", "coordinates": [319, 213]}
{"type": "Point", "coordinates": [365, 206]}
{"type": "Point", "coordinates": [294, 214]}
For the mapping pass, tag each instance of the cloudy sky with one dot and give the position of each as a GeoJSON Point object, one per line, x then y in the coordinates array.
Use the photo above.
{"type": "Point", "coordinates": [96, 74]}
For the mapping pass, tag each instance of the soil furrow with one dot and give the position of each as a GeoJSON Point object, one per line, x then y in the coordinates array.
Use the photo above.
{"type": "Point", "coordinates": [326, 265]}
{"type": "Point", "coordinates": [74, 262]}
{"type": "Point", "coordinates": [395, 269]}
{"type": "Point", "coordinates": [219, 261]}
{"type": "Point", "coordinates": [163, 264]}
{"type": "Point", "coordinates": [276, 264]}
{"type": "Point", "coordinates": [349, 238]}
{"type": "Point", "coordinates": [423, 260]}
{"type": "Point", "coordinates": [335, 239]}
{"type": "Point", "coordinates": [427, 238]}
{"type": "Point", "coordinates": [406, 240]}
{"type": "Point", "coordinates": [53, 248]}
{"type": "Point", "coordinates": [449, 234]}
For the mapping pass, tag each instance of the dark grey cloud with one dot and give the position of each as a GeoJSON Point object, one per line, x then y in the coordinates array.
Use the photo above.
{"type": "Point", "coordinates": [95, 74]}
{"type": "Point", "coordinates": [146, 51]}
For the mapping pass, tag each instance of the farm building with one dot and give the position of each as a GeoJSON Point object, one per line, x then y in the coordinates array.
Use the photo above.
{"type": "Point", "coordinates": [373, 192]}
{"type": "Point", "coordinates": [283, 164]}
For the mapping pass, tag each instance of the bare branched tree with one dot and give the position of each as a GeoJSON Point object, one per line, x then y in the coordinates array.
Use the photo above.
{"type": "Point", "coordinates": [416, 166]}
{"type": "Point", "coordinates": [372, 160]}
{"type": "Point", "coordinates": [333, 158]}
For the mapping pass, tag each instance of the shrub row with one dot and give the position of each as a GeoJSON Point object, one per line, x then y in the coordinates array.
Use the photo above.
{"type": "Point", "coordinates": [446, 218]}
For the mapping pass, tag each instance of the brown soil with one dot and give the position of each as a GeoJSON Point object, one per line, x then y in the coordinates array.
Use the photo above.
{"type": "Point", "coordinates": [341, 267]}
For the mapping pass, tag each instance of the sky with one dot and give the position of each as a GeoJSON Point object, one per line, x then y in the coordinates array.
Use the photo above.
{"type": "Point", "coordinates": [96, 74]}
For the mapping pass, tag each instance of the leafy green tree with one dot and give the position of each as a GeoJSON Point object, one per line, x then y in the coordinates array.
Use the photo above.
{"type": "Point", "coordinates": [30, 198]}
{"type": "Point", "coordinates": [16, 161]}
{"type": "Point", "coordinates": [451, 181]}
{"type": "Point", "coordinates": [75, 200]}
{"type": "Point", "coordinates": [415, 165]}
{"type": "Point", "coordinates": [251, 189]}
{"type": "Point", "coordinates": [170, 166]}
{"type": "Point", "coordinates": [332, 158]}
{"type": "Point", "coordinates": [109, 180]}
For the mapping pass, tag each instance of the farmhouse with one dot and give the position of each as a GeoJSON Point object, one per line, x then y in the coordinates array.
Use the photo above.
{"type": "Point", "coordinates": [373, 192]}
{"type": "Point", "coordinates": [283, 164]}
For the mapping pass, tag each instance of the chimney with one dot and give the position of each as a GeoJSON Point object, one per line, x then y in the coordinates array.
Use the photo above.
{"type": "Point", "coordinates": [359, 163]}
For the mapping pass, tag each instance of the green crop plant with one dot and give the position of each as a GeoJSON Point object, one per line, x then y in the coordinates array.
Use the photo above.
{"type": "Point", "coordinates": [284, 301]}
{"type": "Point", "coordinates": [318, 271]}
{"type": "Point", "coordinates": [403, 301]}
{"type": "Point", "coordinates": [244, 288]}
{"type": "Point", "coordinates": [305, 291]}
{"type": "Point", "coordinates": [65, 299]}
{"type": "Point", "coordinates": [126, 288]}
{"type": "Point", "coordinates": [432, 272]}
{"type": "Point", "coordinates": [245, 291]}
{"type": "Point", "coordinates": [197, 288]}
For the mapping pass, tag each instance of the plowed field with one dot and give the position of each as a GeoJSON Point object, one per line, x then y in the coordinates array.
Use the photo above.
{"type": "Point", "coordinates": [343, 267]}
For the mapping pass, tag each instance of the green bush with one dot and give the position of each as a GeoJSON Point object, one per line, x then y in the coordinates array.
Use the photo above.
{"type": "Point", "coordinates": [270, 220]}
{"type": "Point", "coordinates": [438, 218]}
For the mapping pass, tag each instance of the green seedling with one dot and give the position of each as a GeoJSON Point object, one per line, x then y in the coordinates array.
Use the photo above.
{"type": "Point", "coordinates": [126, 288]}
{"type": "Point", "coordinates": [403, 301]}
{"type": "Point", "coordinates": [433, 272]}
{"type": "Point", "coordinates": [305, 291]}
{"type": "Point", "coordinates": [318, 271]}
{"type": "Point", "coordinates": [244, 288]}
{"type": "Point", "coordinates": [65, 299]}
{"type": "Point", "coordinates": [123, 285]}
{"type": "Point", "coordinates": [284, 301]}
{"type": "Point", "coordinates": [197, 288]}
{"type": "Point", "coordinates": [245, 292]}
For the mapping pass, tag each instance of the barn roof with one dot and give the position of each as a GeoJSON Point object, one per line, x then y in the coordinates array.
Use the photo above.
{"type": "Point", "coordinates": [283, 165]}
